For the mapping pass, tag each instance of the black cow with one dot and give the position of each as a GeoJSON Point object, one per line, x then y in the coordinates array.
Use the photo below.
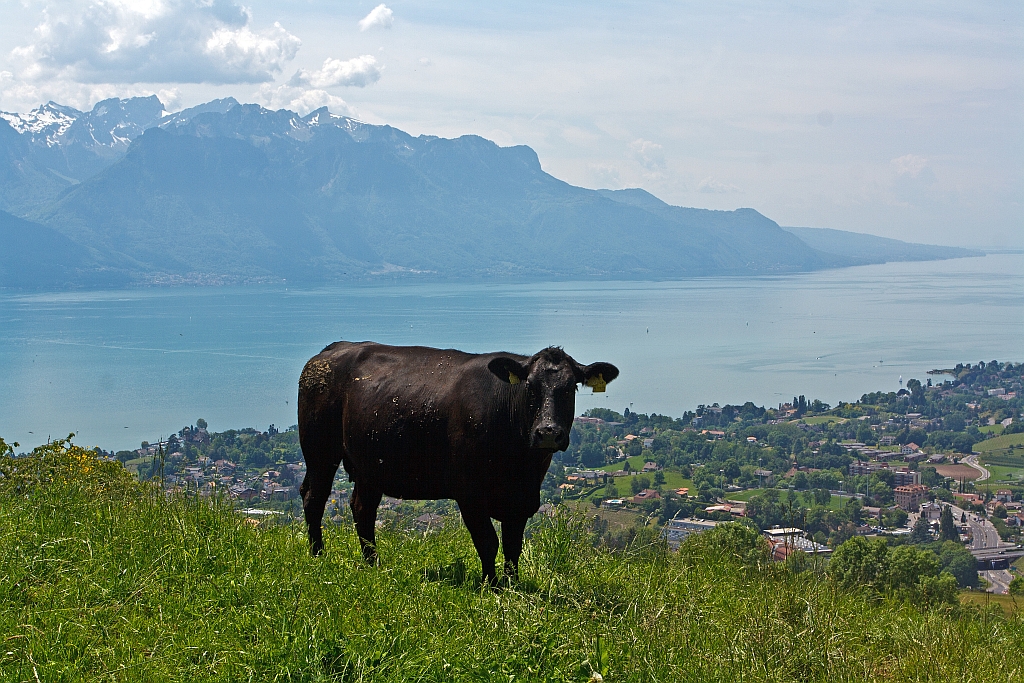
{"type": "Point", "coordinates": [421, 423]}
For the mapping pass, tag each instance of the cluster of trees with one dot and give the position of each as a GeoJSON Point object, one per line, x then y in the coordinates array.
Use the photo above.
{"type": "Point", "coordinates": [248, 448]}
{"type": "Point", "coordinates": [905, 571]}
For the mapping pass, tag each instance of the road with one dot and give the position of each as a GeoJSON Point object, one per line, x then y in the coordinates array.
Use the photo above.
{"type": "Point", "coordinates": [972, 460]}
{"type": "Point", "coordinates": [998, 579]}
{"type": "Point", "coordinates": [983, 534]}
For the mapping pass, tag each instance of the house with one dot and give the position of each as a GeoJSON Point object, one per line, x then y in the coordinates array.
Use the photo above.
{"type": "Point", "coordinates": [613, 503]}
{"type": "Point", "coordinates": [737, 509]}
{"type": "Point", "coordinates": [904, 477]}
{"type": "Point", "coordinates": [429, 519]}
{"type": "Point", "coordinates": [753, 439]}
{"type": "Point", "coordinates": [1004, 495]}
{"type": "Point", "coordinates": [969, 498]}
{"type": "Point", "coordinates": [646, 495]}
{"type": "Point", "coordinates": [651, 467]}
{"type": "Point", "coordinates": [931, 511]}
{"type": "Point", "coordinates": [863, 468]}
{"type": "Point", "coordinates": [243, 492]}
{"type": "Point", "coordinates": [784, 540]}
{"type": "Point", "coordinates": [682, 492]}
{"type": "Point", "coordinates": [908, 448]}
{"type": "Point", "coordinates": [910, 497]}
{"type": "Point", "coordinates": [676, 530]}
{"type": "Point", "coordinates": [648, 443]}
{"type": "Point", "coordinates": [887, 440]}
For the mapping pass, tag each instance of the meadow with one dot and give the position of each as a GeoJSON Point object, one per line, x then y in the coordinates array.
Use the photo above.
{"type": "Point", "coordinates": [103, 578]}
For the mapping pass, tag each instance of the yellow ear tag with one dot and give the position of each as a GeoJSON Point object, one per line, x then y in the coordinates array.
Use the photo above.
{"type": "Point", "coordinates": [512, 379]}
{"type": "Point", "coordinates": [597, 384]}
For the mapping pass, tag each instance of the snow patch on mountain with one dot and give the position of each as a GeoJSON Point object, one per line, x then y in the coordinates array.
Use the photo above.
{"type": "Point", "coordinates": [45, 124]}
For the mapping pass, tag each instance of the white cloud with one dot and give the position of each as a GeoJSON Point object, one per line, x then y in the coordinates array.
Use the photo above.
{"type": "Point", "coordinates": [649, 154]}
{"type": "Point", "coordinates": [301, 100]}
{"type": "Point", "coordinates": [153, 41]}
{"type": "Point", "coordinates": [606, 176]}
{"type": "Point", "coordinates": [379, 17]}
{"type": "Point", "coordinates": [358, 71]}
{"type": "Point", "coordinates": [711, 186]}
{"type": "Point", "coordinates": [909, 165]}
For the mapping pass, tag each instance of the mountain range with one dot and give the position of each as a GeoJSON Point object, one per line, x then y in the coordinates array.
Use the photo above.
{"type": "Point", "coordinates": [228, 192]}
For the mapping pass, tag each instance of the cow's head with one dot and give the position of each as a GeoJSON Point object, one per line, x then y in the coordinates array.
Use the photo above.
{"type": "Point", "coordinates": [550, 379]}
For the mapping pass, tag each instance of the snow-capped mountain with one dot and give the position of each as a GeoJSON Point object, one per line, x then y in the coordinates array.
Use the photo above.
{"type": "Point", "coordinates": [44, 125]}
{"type": "Point", "coordinates": [112, 123]}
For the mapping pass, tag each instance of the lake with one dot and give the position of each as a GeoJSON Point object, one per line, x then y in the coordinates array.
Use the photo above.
{"type": "Point", "coordinates": [117, 367]}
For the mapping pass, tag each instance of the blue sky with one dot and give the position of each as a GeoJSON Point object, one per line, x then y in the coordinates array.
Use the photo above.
{"type": "Point", "coordinates": [899, 119]}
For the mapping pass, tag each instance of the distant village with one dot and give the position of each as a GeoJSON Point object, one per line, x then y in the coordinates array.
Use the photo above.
{"type": "Point", "coordinates": [808, 475]}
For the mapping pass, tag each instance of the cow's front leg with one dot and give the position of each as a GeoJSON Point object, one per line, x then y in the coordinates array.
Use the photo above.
{"type": "Point", "coordinates": [512, 545]}
{"type": "Point", "coordinates": [486, 541]}
{"type": "Point", "coordinates": [364, 502]}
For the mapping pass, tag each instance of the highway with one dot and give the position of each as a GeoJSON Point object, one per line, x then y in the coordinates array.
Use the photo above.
{"type": "Point", "coordinates": [983, 534]}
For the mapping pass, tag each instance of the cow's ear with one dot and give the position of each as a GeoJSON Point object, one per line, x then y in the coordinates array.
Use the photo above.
{"type": "Point", "coordinates": [508, 370]}
{"type": "Point", "coordinates": [597, 375]}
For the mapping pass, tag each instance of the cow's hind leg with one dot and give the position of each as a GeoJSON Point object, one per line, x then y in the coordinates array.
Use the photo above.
{"type": "Point", "coordinates": [512, 545]}
{"type": "Point", "coordinates": [315, 490]}
{"type": "Point", "coordinates": [364, 502]}
{"type": "Point", "coordinates": [486, 541]}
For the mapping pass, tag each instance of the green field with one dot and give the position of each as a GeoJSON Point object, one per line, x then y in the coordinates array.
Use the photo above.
{"type": "Point", "coordinates": [991, 429]}
{"type": "Point", "coordinates": [1000, 444]}
{"type": "Point", "coordinates": [102, 578]}
{"type": "Point", "coordinates": [1003, 473]}
{"type": "Point", "coordinates": [673, 479]}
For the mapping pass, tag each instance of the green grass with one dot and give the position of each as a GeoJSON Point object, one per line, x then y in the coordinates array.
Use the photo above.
{"type": "Point", "coordinates": [991, 429]}
{"type": "Point", "coordinates": [1000, 443]}
{"type": "Point", "coordinates": [673, 479]}
{"type": "Point", "coordinates": [1002, 473]}
{"type": "Point", "coordinates": [103, 579]}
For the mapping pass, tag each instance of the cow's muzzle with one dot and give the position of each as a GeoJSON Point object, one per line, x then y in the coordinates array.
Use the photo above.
{"type": "Point", "coordinates": [550, 437]}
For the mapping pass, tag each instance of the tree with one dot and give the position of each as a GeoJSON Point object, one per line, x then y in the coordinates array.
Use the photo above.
{"type": "Point", "coordinates": [639, 483]}
{"type": "Point", "coordinates": [822, 497]}
{"type": "Point", "coordinates": [611, 490]}
{"type": "Point", "coordinates": [958, 561]}
{"type": "Point", "coordinates": [591, 455]}
{"type": "Point", "coordinates": [921, 532]}
{"type": "Point", "coordinates": [201, 423]}
{"type": "Point", "coordinates": [659, 478]}
{"type": "Point", "coordinates": [860, 563]}
{"type": "Point", "coordinates": [947, 530]}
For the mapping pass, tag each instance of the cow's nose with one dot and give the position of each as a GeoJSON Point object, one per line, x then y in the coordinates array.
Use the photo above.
{"type": "Point", "coordinates": [550, 435]}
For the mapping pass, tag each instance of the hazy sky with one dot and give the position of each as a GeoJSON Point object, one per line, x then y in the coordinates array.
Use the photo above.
{"type": "Point", "coordinates": [898, 119]}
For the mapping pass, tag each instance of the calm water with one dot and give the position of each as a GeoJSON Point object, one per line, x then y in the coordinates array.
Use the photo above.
{"type": "Point", "coordinates": [120, 367]}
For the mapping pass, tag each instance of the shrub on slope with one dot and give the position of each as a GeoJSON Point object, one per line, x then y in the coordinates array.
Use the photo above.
{"type": "Point", "coordinates": [101, 577]}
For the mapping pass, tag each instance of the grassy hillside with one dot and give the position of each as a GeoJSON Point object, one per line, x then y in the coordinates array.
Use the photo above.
{"type": "Point", "coordinates": [1000, 443]}
{"type": "Point", "coordinates": [102, 579]}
